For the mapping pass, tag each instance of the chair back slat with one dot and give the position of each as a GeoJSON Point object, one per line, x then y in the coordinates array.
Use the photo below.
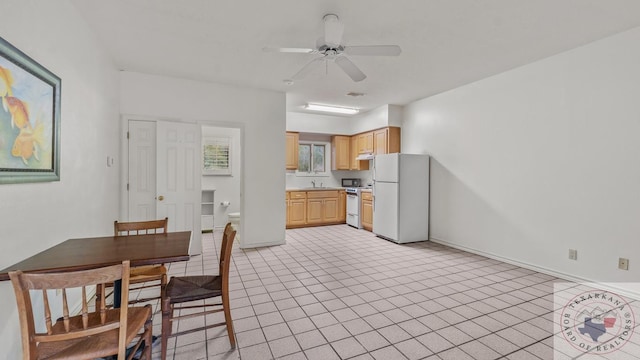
{"type": "Point", "coordinates": [84, 310]}
{"type": "Point", "coordinates": [47, 311]}
{"type": "Point", "coordinates": [103, 307]}
{"type": "Point", "coordinates": [76, 329]}
{"type": "Point", "coordinates": [140, 227]}
{"type": "Point", "coordinates": [65, 310]}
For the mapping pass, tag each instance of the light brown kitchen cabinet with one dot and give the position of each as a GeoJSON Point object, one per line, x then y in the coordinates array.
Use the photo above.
{"type": "Point", "coordinates": [340, 152]}
{"type": "Point", "coordinates": [292, 150]}
{"type": "Point", "coordinates": [365, 143]}
{"type": "Point", "coordinates": [297, 208]}
{"type": "Point", "coordinates": [386, 140]}
{"type": "Point", "coordinates": [286, 201]}
{"type": "Point", "coordinates": [314, 211]}
{"type": "Point", "coordinates": [353, 163]}
{"type": "Point", "coordinates": [366, 210]}
{"type": "Point", "coordinates": [317, 207]}
{"type": "Point", "coordinates": [322, 207]}
{"type": "Point", "coordinates": [342, 206]}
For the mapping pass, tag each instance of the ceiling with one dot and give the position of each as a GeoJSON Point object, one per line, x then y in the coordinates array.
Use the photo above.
{"type": "Point", "coordinates": [445, 43]}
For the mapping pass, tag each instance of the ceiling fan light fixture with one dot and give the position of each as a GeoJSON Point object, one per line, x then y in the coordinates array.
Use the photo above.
{"type": "Point", "coordinates": [332, 109]}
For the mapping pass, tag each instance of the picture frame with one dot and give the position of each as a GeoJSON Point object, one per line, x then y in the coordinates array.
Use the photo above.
{"type": "Point", "coordinates": [29, 119]}
{"type": "Point", "coordinates": [216, 156]}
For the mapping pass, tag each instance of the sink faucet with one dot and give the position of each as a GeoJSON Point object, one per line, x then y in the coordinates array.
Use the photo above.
{"type": "Point", "coordinates": [313, 182]}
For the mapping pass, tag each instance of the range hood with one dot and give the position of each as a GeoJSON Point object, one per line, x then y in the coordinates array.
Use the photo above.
{"type": "Point", "coordinates": [364, 157]}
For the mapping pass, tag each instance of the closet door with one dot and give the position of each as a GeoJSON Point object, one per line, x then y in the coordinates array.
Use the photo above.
{"type": "Point", "coordinates": [165, 175]}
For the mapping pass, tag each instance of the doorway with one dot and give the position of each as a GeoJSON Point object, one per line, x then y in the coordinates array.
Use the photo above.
{"type": "Point", "coordinates": [163, 175]}
{"type": "Point", "coordinates": [226, 185]}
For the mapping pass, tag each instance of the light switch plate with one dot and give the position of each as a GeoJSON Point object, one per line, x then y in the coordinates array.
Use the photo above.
{"type": "Point", "coordinates": [623, 264]}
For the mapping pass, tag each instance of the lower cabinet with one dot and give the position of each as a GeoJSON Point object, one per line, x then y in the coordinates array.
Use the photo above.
{"type": "Point", "coordinates": [313, 208]}
{"type": "Point", "coordinates": [342, 206]}
{"type": "Point", "coordinates": [366, 211]}
{"type": "Point", "coordinates": [297, 208]}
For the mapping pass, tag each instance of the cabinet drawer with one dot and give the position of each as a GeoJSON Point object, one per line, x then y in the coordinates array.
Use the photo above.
{"type": "Point", "coordinates": [322, 194]}
{"type": "Point", "coordinates": [366, 195]}
{"type": "Point", "coordinates": [297, 195]}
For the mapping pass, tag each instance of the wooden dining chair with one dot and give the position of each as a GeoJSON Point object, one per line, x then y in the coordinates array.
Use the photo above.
{"type": "Point", "coordinates": [185, 289]}
{"type": "Point", "coordinates": [154, 274]}
{"type": "Point", "coordinates": [103, 332]}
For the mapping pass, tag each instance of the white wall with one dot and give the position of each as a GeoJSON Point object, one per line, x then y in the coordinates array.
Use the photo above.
{"type": "Point", "coordinates": [385, 115]}
{"type": "Point", "coordinates": [261, 116]}
{"type": "Point", "coordinates": [34, 217]}
{"type": "Point", "coordinates": [227, 187]}
{"type": "Point", "coordinates": [540, 159]}
{"type": "Point", "coordinates": [319, 124]}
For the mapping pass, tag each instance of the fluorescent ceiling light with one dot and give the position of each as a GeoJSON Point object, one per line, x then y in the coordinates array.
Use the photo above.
{"type": "Point", "coordinates": [332, 109]}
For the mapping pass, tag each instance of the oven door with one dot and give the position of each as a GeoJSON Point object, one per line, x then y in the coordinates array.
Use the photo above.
{"type": "Point", "coordinates": [353, 210]}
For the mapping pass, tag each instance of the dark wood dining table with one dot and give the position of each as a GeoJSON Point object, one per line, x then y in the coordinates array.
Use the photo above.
{"type": "Point", "coordinates": [94, 252]}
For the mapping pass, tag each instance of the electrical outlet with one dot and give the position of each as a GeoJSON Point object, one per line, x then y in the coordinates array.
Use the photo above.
{"type": "Point", "coordinates": [573, 254]}
{"type": "Point", "coordinates": [623, 264]}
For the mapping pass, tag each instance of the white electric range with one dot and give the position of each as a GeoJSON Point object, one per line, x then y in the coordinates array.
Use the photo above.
{"type": "Point", "coordinates": [353, 206]}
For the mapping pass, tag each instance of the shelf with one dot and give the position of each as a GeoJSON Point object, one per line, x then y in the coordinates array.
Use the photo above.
{"type": "Point", "coordinates": [207, 209]}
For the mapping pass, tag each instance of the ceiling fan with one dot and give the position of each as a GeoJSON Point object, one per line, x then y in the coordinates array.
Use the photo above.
{"type": "Point", "coordinates": [330, 48]}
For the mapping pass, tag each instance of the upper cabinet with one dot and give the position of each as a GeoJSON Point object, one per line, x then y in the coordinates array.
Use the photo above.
{"type": "Point", "coordinates": [386, 140]}
{"type": "Point", "coordinates": [345, 149]}
{"type": "Point", "coordinates": [292, 150]}
{"type": "Point", "coordinates": [365, 143]}
{"type": "Point", "coordinates": [340, 154]}
{"type": "Point", "coordinates": [353, 163]}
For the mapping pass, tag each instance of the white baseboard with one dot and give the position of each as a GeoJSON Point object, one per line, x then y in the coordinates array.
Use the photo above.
{"type": "Point", "coordinates": [569, 277]}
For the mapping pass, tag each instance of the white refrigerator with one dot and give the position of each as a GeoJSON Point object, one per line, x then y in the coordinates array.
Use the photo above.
{"type": "Point", "coordinates": [401, 197]}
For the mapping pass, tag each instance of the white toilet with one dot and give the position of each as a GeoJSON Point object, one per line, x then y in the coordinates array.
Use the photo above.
{"type": "Point", "coordinates": [234, 219]}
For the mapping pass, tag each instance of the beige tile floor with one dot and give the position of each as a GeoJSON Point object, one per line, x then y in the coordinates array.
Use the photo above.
{"type": "Point", "coordinates": [336, 292]}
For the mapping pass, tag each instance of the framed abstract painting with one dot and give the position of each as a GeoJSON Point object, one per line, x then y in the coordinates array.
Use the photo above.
{"type": "Point", "coordinates": [29, 119]}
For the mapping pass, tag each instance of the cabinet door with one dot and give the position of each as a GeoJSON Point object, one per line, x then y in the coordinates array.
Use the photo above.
{"type": "Point", "coordinates": [353, 163]}
{"type": "Point", "coordinates": [292, 151]}
{"type": "Point", "coordinates": [380, 141]}
{"type": "Point", "coordinates": [330, 210]}
{"type": "Point", "coordinates": [297, 211]}
{"type": "Point", "coordinates": [367, 214]}
{"type": "Point", "coordinates": [340, 151]}
{"type": "Point", "coordinates": [314, 211]}
{"type": "Point", "coordinates": [393, 140]}
{"type": "Point", "coordinates": [342, 206]}
{"type": "Point", "coordinates": [365, 143]}
{"type": "Point", "coordinates": [287, 218]}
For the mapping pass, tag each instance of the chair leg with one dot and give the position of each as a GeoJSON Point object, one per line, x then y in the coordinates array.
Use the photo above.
{"type": "Point", "coordinates": [148, 339]}
{"type": "Point", "coordinates": [228, 320]}
{"type": "Point", "coordinates": [167, 312]}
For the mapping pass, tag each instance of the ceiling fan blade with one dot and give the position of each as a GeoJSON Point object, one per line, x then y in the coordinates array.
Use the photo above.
{"type": "Point", "coordinates": [350, 69]}
{"type": "Point", "coordinates": [309, 67]}
{"type": "Point", "coordinates": [373, 50]}
{"type": "Point", "coordinates": [333, 29]}
{"type": "Point", "coordinates": [288, 50]}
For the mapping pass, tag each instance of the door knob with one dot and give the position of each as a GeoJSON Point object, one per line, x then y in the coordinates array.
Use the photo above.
{"type": "Point", "coordinates": [160, 198]}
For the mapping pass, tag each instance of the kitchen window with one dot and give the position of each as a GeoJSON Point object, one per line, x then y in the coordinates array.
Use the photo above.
{"type": "Point", "coordinates": [313, 158]}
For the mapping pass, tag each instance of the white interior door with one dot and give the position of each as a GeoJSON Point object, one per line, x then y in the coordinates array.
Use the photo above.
{"type": "Point", "coordinates": [142, 170]}
{"type": "Point", "coordinates": [179, 176]}
{"type": "Point", "coordinates": [165, 175]}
